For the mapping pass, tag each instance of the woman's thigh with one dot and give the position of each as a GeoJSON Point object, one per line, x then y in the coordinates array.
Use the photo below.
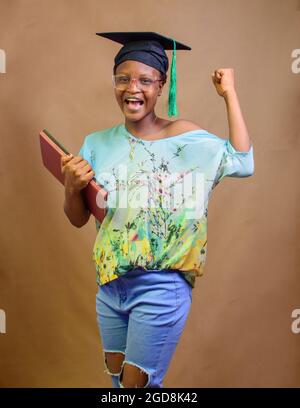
{"type": "Point", "coordinates": [142, 314]}
{"type": "Point", "coordinates": [112, 321]}
{"type": "Point", "coordinates": [159, 303]}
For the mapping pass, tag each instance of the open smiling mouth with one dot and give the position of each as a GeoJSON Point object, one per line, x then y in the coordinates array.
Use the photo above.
{"type": "Point", "coordinates": [133, 105]}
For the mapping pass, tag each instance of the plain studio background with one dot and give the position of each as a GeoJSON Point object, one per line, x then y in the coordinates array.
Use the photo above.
{"type": "Point", "coordinates": [58, 76]}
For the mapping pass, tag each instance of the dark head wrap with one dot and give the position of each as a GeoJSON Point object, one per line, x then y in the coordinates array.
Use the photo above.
{"type": "Point", "coordinates": [148, 52]}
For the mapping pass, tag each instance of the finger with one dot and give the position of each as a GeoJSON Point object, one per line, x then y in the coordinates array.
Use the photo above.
{"type": "Point", "coordinates": [86, 168]}
{"type": "Point", "coordinates": [82, 164]}
{"type": "Point", "coordinates": [66, 157]}
{"type": "Point", "coordinates": [82, 172]}
{"type": "Point", "coordinates": [215, 79]}
{"type": "Point", "coordinates": [64, 161]}
{"type": "Point", "coordinates": [218, 73]}
{"type": "Point", "coordinates": [88, 176]}
{"type": "Point", "coordinates": [76, 159]}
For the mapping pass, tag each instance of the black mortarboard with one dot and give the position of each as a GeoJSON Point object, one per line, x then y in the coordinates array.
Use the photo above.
{"type": "Point", "coordinates": [149, 48]}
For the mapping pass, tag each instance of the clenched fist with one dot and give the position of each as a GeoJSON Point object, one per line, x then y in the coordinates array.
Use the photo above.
{"type": "Point", "coordinates": [223, 79]}
{"type": "Point", "coordinates": [77, 171]}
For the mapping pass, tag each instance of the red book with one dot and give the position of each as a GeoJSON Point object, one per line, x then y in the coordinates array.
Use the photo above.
{"type": "Point", "coordinates": [94, 195]}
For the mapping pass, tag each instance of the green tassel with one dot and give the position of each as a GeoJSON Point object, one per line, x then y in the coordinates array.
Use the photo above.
{"type": "Point", "coordinates": [172, 89]}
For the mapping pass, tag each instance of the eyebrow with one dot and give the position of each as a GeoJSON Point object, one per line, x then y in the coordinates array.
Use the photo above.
{"type": "Point", "coordinates": [125, 73]}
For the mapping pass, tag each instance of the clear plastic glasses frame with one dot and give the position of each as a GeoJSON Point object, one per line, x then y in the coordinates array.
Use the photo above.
{"type": "Point", "coordinates": [122, 82]}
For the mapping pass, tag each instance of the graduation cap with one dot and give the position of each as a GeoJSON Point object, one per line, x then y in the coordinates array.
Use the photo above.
{"type": "Point", "coordinates": [149, 48]}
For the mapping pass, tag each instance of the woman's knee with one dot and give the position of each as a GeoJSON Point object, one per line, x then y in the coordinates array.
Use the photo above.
{"type": "Point", "coordinates": [130, 376]}
{"type": "Point", "coordinates": [133, 376]}
{"type": "Point", "coordinates": [114, 361]}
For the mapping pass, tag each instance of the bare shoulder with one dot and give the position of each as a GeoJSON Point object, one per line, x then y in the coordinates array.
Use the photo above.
{"type": "Point", "coordinates": [184, 125]}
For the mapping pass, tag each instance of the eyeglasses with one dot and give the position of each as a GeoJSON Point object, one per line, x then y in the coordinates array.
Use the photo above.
{"type": "Point", "coordinates": [121, 82]}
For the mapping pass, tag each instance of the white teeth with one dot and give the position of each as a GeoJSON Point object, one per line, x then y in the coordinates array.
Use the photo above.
{"type": "Point", "coordinates": [134, 100]}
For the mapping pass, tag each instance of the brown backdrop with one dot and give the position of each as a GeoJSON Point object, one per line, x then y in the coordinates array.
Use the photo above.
{"type": "Point", "coordinates": [58, 75]}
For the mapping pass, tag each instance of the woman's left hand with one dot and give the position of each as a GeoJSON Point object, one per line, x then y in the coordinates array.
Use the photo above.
{"type": "Point", "coordinates": [223, 79]}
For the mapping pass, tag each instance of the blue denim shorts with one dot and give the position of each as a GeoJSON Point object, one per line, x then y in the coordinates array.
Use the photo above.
{"type": "Point", "coordinates": [142, 314]}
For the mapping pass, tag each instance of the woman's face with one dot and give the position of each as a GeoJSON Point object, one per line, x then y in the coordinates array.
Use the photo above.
{"type": "Point", "coordinates": [136, 69]}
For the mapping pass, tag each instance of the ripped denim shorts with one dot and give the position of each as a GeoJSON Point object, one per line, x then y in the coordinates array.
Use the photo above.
{"type": "Point", "coordinates": [142, 314]}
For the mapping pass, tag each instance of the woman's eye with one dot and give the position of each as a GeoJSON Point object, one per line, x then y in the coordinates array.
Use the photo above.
{"type": "Point", "coordinates": [123, 79]}
{"type": "Point", "coordinates": [146, 81]}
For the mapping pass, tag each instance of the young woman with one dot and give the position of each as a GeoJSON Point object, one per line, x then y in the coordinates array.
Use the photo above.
{"type": "Point", "coordinates": [152, 243]}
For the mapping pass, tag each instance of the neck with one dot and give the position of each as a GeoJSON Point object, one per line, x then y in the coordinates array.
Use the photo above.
{"type": "Point", "coordinates": [148, 125]}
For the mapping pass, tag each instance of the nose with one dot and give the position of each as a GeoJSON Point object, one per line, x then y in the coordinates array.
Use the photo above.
{"type": "Point", "coordinates": [130, 86]}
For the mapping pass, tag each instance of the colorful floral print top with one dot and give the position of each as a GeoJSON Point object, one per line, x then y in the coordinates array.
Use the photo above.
{"type": "Point", "coordinates": [158, 194]}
